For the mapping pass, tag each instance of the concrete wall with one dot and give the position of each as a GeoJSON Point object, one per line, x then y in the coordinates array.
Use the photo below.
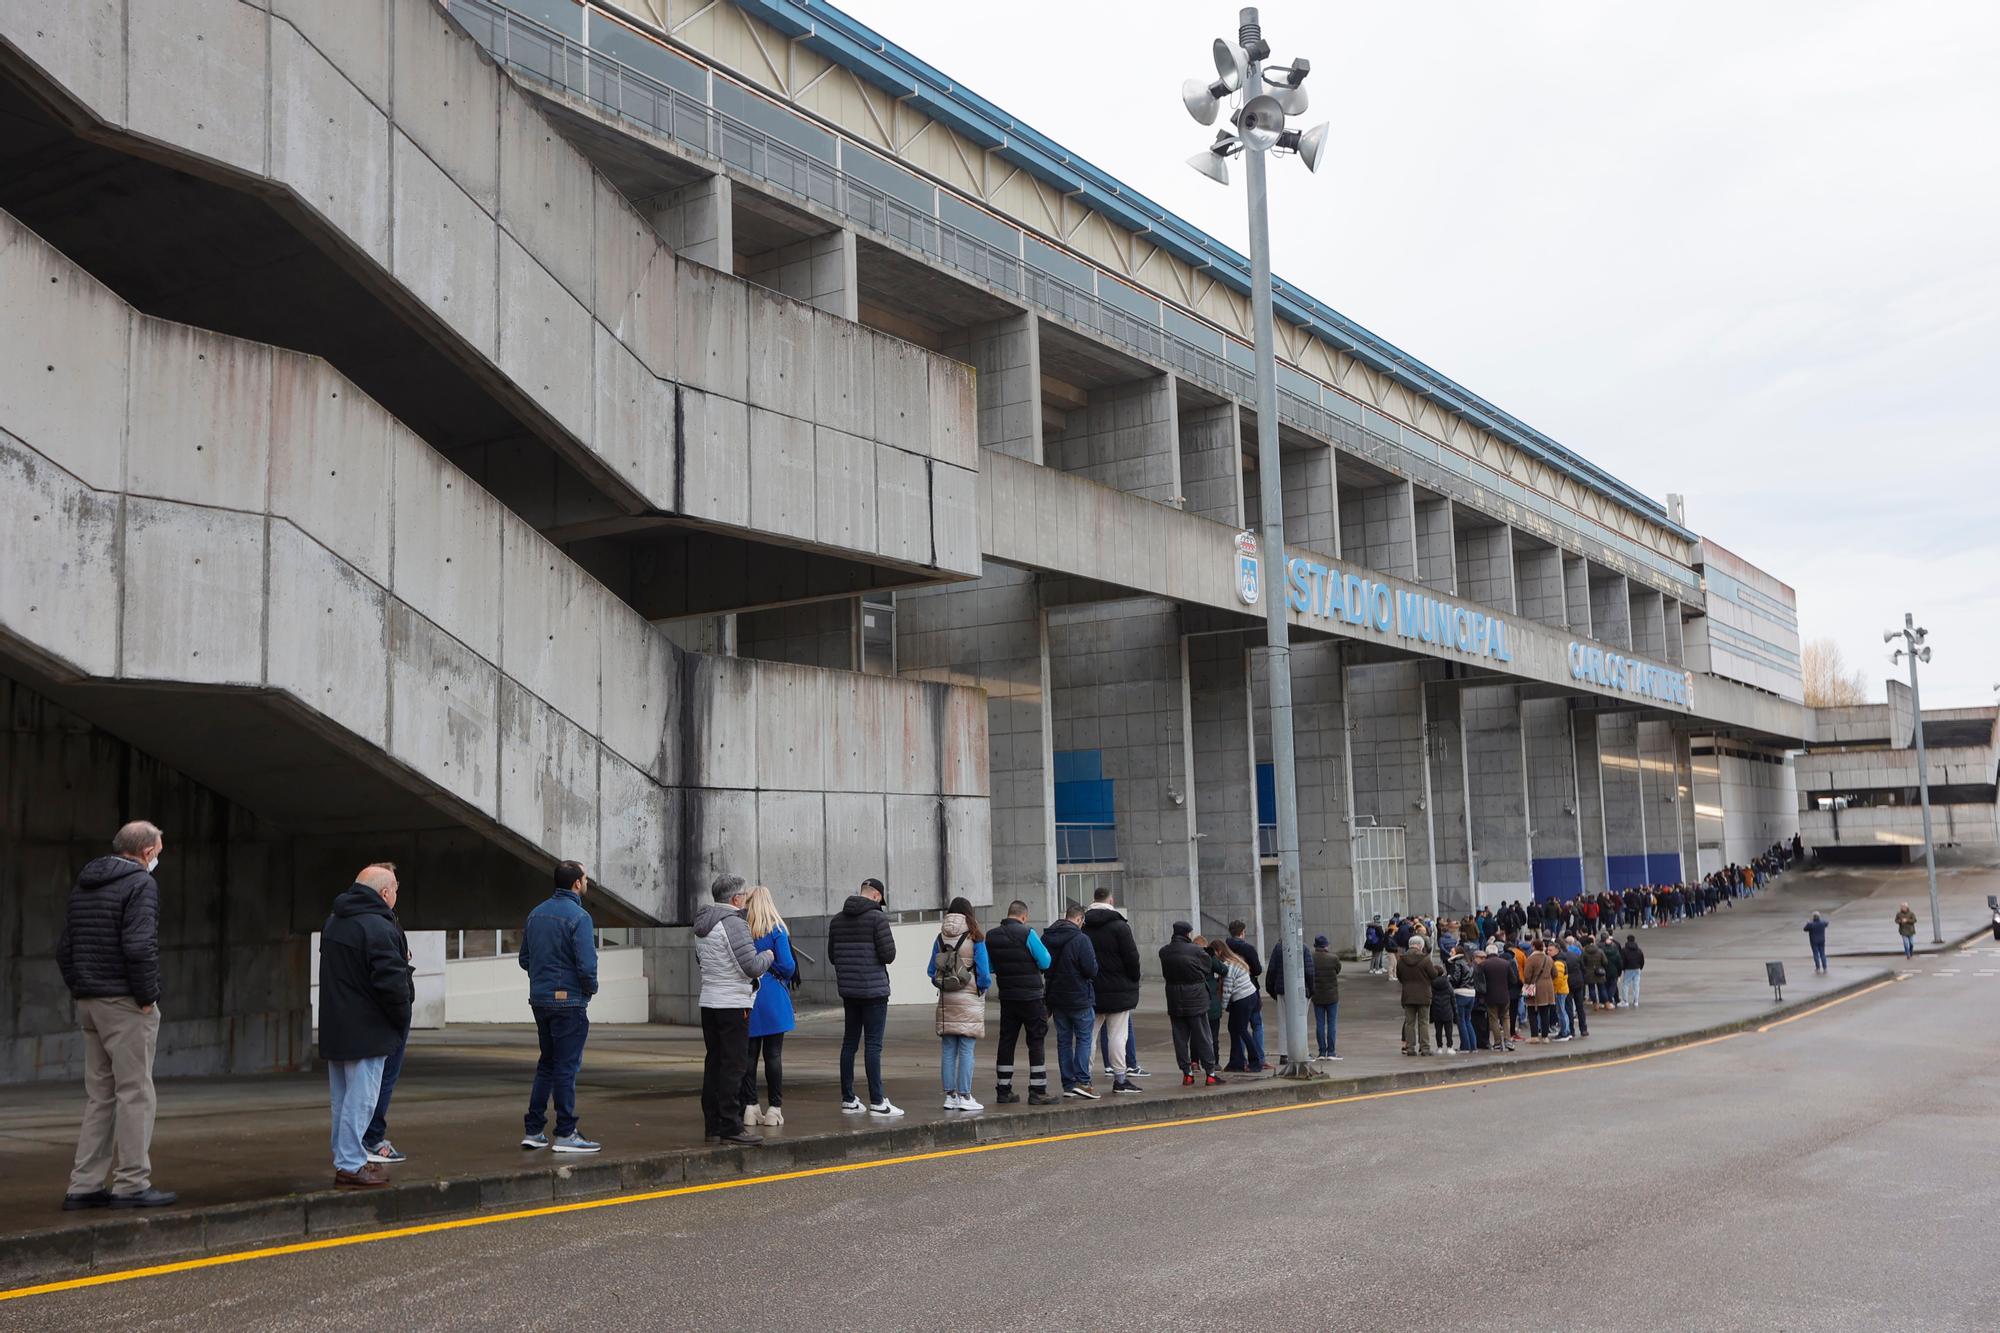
{"type": "Point", "coordinates": [1126, 438]}
{"type": "Point", "coordinates": [1485, 556]}
{"type": "Point", "coordinates": [1538, 583]}
{"type": "Point", "coordinates": [1592, 827]}
{"type": "Point", "coordinates": [1007, 356]}
{"type": "Point", "coordinates": [1437, 565]}
{"type": "Point", "coordinates": [1491, 730]}
{"type": "Point", "coordinates": [1558, 866]}
{"type": "Point", "coordinates": [1386, 708]}
{"type": "Point", "coordinates": [1211, 462]}
{"type": "Point", "coordinates": [1449, 818]}
{"type": "Point", "coordinates": [1626, 813]}
{"type": "Point", "coordinates": [1319, 720]}
{"type": "Point", "coordinates": [233, 963]}
{"type": "Point", "coordinates": [1377, 527]}
{"type": "Point", "coordinates": [1310, 520]}
{"type": "Point", "coordinates": [1610, 608]}
{"type": "Point", "coordinates": [1225, 796]}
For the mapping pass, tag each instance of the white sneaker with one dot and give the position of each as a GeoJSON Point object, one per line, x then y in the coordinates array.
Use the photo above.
{"type": "Point", "coordinates": [853, 1106]}
{"type": "Point", "coordinates": [885, 1108]}
{"type": "Point", "coordinates": [774, 1116]}
{"type": "Point", "coordinates": [951, 1101]}
{"type": "Point", "coordinates": [966, 1103]}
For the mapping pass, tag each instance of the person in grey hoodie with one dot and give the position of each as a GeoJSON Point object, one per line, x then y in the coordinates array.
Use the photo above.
{"type": "Point", "coordinates": [730, 965]}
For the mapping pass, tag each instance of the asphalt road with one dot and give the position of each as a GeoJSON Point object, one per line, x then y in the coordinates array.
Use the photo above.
{"type": "Point", "coordinates": [1839, 1171]}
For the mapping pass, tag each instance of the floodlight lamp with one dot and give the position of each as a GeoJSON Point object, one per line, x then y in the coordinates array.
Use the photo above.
{"type": "Point", "coordinates": [1212, 162]}
{"type": "Point", "coordinates": [1308, 145]}
{"type": "Point", "coordinates": [1923, 654]}
{"type": "Point", "coordinates": [1202, 100]}
{"type": "Point", "coordinates": [1261, 122]}
{"type": "Point", "coordinates": [1232, 64]}
{"type": "Point", "coordinates": [1287, 85]}
{"type": "Point", "coordinates": [1889, 635]}
{"type": "Point", "coordinates": [1922, 634]}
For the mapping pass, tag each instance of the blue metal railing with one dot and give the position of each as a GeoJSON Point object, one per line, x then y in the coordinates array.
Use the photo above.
{"type": "Point", "coordinates": [542, 55]}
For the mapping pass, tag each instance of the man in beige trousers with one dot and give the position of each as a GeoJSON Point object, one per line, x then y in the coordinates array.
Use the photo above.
{"type": "Point", "coordinates": [109, 953]}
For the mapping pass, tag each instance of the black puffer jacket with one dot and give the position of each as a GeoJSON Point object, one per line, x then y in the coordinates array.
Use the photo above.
{"type": "Point", "coordinates": [1072, 968]}
{"type": "Point", "coordinates": [110, 941]}
{"type": "Point", "coordinates": [365, 990]}
{"type": "Point", "coordinates": [1184, 967]}
{"type": "Point", "coordinates": [1016, 974]}
{"type": "Point", "coordinates": [861, 946]}
{"type": "Point", "coordinates": [1117, 959]}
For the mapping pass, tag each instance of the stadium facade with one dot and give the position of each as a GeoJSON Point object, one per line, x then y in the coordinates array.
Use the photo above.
{"type": "Point", "coordinates": [691, 436]}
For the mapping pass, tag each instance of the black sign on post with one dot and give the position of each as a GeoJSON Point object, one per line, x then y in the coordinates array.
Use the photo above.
{"type": "Point", "coordinates": [1993, 902]}
{"type": "Point", "coordinates": [1775, 974]}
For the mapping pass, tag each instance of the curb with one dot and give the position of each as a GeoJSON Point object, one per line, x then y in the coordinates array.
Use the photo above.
{"type": "Point", "coordinates": [1923, 950]}
{"type": "Point", "coordinates": [134, 1241]}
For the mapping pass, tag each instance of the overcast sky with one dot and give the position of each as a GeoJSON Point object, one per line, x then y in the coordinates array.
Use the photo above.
{"type": "Point", "coordinates": [1741, 251]}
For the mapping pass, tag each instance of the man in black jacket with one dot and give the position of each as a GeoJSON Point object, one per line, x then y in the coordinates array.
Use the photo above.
{"type": "Point", "coordinates": [109, 954]}
{"type": "Point", "coordinates": [1018, 959]}
{"type": "Point", "coordinates": [1184, 969]}
{"type": "Point", "coordinates": [861, 946]}
{"type": "Point", "coordinates": [365, 994]}
{"type": "Point", "coordinates": [1110, 934]}
{"type": "Point", "coordinates": [1072, 999]}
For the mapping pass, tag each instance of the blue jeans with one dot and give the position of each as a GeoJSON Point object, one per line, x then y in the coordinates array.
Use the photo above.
{"type": "Point", "coordinates": [1628, 987]}
{"type": "Point", "coordinates": [1325, 1018]}
{"type": "Point", "coordinates": [955, 1064]}
{"type": "Point", "coordinates": [378, 1124]}
{"type": "Point", "coordinates": [1819, 956]}
{"type": "Point", "coordinates": [352, 1086]}
{"type": "Point", "coordinates": [1073, 1031]}
{"type": "Point", "coordinates": [1467, 1038]}
{"type": "Point", "coordinates": [1909, 946]}
{"type": "Point", "coordinates": [865, 1019]}
{"type": "Point", "coordinates": [561, 1031]}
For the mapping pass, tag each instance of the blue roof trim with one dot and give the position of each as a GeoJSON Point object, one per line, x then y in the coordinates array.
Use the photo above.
{"type": "Point", "coordinates": [852, 44]}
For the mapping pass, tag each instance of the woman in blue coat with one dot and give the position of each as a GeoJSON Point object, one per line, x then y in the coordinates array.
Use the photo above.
{"type": "Point", "coordinates": [771, 1014]}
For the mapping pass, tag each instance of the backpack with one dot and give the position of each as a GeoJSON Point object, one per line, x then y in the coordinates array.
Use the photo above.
{"type": "Point", "coordinates": [952, 970]}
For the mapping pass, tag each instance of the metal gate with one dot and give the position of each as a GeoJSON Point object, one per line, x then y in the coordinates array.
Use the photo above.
{"type": "Point", "coordinates": [1381, 878]}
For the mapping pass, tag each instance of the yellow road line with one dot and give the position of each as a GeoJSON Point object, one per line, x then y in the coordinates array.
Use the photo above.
{"type": "Point", "coordinates": [842, 1168]}
{"type": "Point", "coordinates": [1816, 1009]}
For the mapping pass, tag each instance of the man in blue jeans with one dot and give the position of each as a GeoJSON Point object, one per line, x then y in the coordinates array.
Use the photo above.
{"type": "Point", "coordinates": [1816, 936]}
{"type": "Point", "coordinates": [861, 946]}
{"type": "Point", "coordinates": [559, 954]}
{"type": "Point", "coordinates": [1070, 990]}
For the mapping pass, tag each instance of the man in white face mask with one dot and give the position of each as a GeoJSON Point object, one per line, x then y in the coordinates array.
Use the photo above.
{"type": "Point", "coordinates": [109, 953]}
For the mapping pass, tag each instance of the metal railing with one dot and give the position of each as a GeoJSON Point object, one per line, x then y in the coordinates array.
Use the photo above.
{"type": "Point", "coordinates": [1086, 844]}
{"type": "Point", "coordinates": [1267, 841]}
{"type": "Point", "coordinates": [1381, 875]}
{"type": "Point", "coordinates": [561, 63]}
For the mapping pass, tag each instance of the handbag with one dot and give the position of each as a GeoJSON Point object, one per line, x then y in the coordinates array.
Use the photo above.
{"type": "Point", "coordinates": [1529, 990]}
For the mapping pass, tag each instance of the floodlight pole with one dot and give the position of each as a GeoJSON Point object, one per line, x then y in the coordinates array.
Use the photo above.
{"type": "Point", "coordinates": [1277, 589]}
{"type": "Point", "coordinates": [1910, 641]}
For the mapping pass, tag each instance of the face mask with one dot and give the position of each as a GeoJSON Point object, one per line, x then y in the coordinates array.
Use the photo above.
{"type": "Point", "coordinates": [152, 865]}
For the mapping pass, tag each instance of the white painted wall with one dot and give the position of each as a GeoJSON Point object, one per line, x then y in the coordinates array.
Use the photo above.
{"type": "Point", "coordinates": [495, 990]}
{"type": "Point", "coordinates": [427, 956]}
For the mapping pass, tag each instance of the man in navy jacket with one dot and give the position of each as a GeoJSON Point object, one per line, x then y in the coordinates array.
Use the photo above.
{"type": "Point", "coordinates": [559, 954]}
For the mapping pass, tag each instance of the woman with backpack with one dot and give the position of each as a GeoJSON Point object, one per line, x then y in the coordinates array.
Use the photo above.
{"type": "Point", "coordinates": [771, 1014]}
{"type": "Point", "coordinates": [961, 973]}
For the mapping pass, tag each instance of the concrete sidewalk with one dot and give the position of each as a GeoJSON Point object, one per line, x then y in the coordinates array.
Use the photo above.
{"type": "Point", "coordinates": [250, 1157]}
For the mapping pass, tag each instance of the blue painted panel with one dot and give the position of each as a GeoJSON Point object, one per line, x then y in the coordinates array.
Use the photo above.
{"type": "Point", "coordinates": [1085, 802]}
{"type": "Point", "coordinates": [1079, 765]}
{"type": "Point", "coordinates": [1267, 794]}
{"type": "Point", "coordinates": [1556, 877]}
{"type": "Point", "coordinates": [1664, 867]}
{"type": "Point", "coordinates": [1626, 872]}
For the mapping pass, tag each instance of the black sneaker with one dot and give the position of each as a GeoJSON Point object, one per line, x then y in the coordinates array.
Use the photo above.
{"type": "Point", "coordinates": [146, 1198]}
{"type": "Point", "coordinates": [93, 1199]}
{"type": "Point", "coordinates": [1127, 1086]}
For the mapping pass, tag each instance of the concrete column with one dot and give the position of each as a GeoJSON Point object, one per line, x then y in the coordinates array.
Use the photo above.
{"type": "Point", "coordinates": [1705, 772]}
{"type": "Point", "coordinates": [992, 634]}
{"type": "Point", "coordinates": [1485, 554]}
{"type": "Point", "coordinates": [1007, 354]}
{"type": "Point", "coordinates": [1310, 520]}
{"type": "Point", "coordinates": [1660, 782]}
{"type": "Point", "coordinates": [698, 221]}
{"type": "Point", "coordinates": [1610, 608]}
{"type": "Point", "coordinates": [1211, 440]}
{"type": "Point", "coordinates": [1450, 821]}
{"type": "Point", "coordinates": [1676, 642]}
{"type": "Point", "coordinates": [1556, 867]}
{"type": "Point", "coordinates": [1625, 812]}
{"type": "Point", "coordinates": [1649, 624]}
{"type": "Point", "coordinates": [1538, 581]}
{"type": "Point", "coordinates": [1378, 528]}
{"type": "Point", "coordinates": [1590, 824]}
{"type": "Point", "coordinates": [819, 270]}
{"type": "Point", "coordinates": [1319, 720]}
{"type": "Point", "coordinates": [1114, 674]}
{"type": "Point", "coordinates": [1437, 565]}
{"type": "Point", "coordinates": [1126, 438]}
{"type": "Point", "coordinates": [1490, 721]}
{"type": "Point", "coordinates": [1225, 793]}
{"type": "Point", "coordinates": [1690, 843]}
{"type": "Point", "coordinates": [1576, 594]}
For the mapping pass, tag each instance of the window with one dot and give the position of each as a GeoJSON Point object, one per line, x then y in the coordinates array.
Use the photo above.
{"type": "Point", "coordinates": [1267, 810]}
{"type": "Point", "coordinates": [1086, 818]}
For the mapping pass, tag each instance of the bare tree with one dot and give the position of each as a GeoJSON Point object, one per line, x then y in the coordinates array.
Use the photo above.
{"type": "Point", "coordinates": [1829, 684]}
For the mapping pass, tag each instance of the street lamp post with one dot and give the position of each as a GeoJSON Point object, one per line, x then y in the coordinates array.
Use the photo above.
{"type": "Point", "coordinates": [1267, 97]}
{"type": "Point", "coordinates": [1914, 648]}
